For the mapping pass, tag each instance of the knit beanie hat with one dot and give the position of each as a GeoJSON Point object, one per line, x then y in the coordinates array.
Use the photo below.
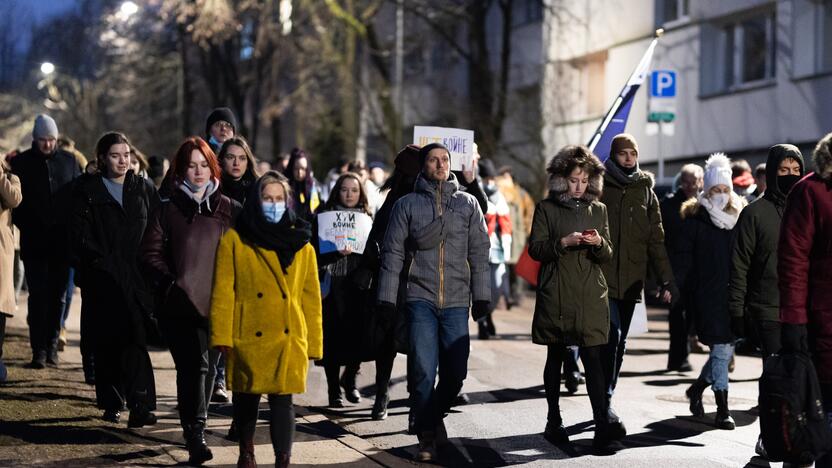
{"type": "Point", "coordinates": [623, 141]}
{"type": "Point", "coordinates": [718, 171]}
{"type": "Point", "coordinates": [45, 127]}
{"type": "Point", "coordinates": [220, 114]}
{"type": "Point", "coordinates": [486, 168]}
{"type": "Point", "coordinates": [423, 153]}
{"type": "Point", "coordinates": [408, 161]}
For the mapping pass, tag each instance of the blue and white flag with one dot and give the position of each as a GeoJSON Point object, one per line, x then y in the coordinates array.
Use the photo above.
{"type": "Point", "coordinates": [615, 121]}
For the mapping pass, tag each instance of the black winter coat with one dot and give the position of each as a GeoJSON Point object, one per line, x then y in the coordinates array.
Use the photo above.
{"type": "Point", "coordinates": [42, 216]}
{"type": "Point", "coordinates": [672, 222]}
{"type": "Point", "coordinates": [346, 307]}
{"type": "Point", "coordinates": [106, 239]}
{"type": "Point", "coordinates": [705, 252]}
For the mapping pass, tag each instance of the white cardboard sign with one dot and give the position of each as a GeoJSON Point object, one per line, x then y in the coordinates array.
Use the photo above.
{"type": "Point", "coordinates": [339, 229]}
{"type": "Point", "coordinates": [459, 142]}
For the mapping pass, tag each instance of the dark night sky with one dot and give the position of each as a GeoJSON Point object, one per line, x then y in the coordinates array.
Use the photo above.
{"type": "Point", "coordinates": [36, 11]}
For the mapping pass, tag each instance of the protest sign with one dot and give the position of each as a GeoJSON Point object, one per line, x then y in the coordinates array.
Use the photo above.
{"type": "Point", "coordinates": [339, 229]}
{"type": "Point", "coordinates": [459, 142]}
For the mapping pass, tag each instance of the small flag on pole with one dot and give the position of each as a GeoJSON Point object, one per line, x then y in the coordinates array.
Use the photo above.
{"type": "Point", "coordinates": [615, 120]}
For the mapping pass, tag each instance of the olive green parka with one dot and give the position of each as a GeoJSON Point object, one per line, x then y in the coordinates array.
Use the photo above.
{"type": "Point", "coordinates": [571, 306]}
{"type": "Point", "coordinates": [637, 233]}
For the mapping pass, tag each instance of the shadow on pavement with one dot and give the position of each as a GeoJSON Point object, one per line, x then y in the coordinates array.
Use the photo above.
{"type": "Point", "coordinates": [673, 431]}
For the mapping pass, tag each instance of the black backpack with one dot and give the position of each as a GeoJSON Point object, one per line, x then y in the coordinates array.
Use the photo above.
{"type": "Point", "coordinates": [793, 422]}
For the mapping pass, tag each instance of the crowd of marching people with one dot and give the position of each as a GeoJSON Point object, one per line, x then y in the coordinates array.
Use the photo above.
{"type": "Point", "coordinates": [221, 258]}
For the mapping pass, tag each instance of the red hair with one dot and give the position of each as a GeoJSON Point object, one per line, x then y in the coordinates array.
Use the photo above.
{"type": "Point", "coordinates": [182, 158]}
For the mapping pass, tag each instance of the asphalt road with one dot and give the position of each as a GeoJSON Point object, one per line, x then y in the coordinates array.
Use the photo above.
{"type": "Point", "coordinates": [502, 426]}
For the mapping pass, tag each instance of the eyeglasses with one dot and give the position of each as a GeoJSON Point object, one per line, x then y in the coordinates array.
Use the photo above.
{"type": "Point", "coordinates": [223, 125]}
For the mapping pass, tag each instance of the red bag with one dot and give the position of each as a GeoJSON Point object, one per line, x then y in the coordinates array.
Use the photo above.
{"type": "Point", "coordinates": [527, 268]}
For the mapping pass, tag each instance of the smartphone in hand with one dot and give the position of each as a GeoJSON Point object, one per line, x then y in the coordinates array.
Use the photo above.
{"type": "Point", "coordinates": [588, 232]}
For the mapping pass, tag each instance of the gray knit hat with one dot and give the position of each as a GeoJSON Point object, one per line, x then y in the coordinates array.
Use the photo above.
{"type": "Point", "coordinates": [45, 127]}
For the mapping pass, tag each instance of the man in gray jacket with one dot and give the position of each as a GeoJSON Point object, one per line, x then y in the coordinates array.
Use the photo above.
{"type": "Point", "coordinates": [442, 231]}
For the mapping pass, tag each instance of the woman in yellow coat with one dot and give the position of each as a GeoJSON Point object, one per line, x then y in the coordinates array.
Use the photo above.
{"type": "Point", "coordinates": [266, 313]}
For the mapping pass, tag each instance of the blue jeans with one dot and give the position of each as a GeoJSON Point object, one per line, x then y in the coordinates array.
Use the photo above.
{"type": "Point", "coordinates": [612, 354]}
{"type": "Point", "coordinates": [715, 371]}
{"type": "Point", "coordinates": [70, 290]}
{"type": "Point", "coordinates": [438, 339]}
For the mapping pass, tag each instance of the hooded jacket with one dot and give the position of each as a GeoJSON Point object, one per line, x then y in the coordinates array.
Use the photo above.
{"type": "Point", "coordinates": [636, 231]}
{"type": "Point", "coordinates": [753, 281]}
{"type": "Point", "coordinates": [571, 306]}
{"type": "Point", "coordinates": [453, 271]}
{"type": "Point", "coordinates": [805, 259]}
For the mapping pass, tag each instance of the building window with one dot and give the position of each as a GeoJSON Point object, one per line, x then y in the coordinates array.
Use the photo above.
{"type": "Point", "coordinates": [738, 53]}
{"type": "Point", "coordinates": [812, 37]}
{"type": "Point", "coordinates": [526, 12]}
{"type": "Point", "coordinates": [668, 11]}
{"type": "Point", "coordinates": [824, 29]}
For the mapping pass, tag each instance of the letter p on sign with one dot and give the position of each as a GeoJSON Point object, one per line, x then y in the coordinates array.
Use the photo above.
{"type": "Point", "coordinates": [663, 84]}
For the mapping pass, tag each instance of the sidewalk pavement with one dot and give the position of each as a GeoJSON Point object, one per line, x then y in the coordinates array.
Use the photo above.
{"type": "Point", "coordinates": [48, 418]}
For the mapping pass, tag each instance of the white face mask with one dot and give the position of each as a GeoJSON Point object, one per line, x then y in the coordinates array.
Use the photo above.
{"type": "Point", "coordinates": [720, 200]}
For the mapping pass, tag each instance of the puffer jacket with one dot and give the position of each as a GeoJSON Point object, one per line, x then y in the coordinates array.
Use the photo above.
{"type": "Point", "coordinates": [180, 244]}
{"type": "Point", "coordinates": [706, 258]}
{"type": "Point", "coordinates": [805, 261]}
{"type": "Point", "coordinates": [753, 286]}
{"type": "Point", "coordinates": [449, 274]}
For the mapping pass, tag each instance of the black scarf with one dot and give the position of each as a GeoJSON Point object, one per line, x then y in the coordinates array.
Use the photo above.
{"type": "Point", "coordinates": [236, 189]}
{"type": "Point", "coordinates": [285, 237]}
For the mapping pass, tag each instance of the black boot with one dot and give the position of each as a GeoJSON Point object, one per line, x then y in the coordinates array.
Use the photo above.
{"type": "Point", "coordinates": [333, 387]}
{"type": "Point", "coordinates": [723, 416]}
{"type": "Point", "coordinates": [198, 451]}
{"type": "Point", "coordinates": [380, 406]}
{"type": "Point", "coordinates": [555, 433]}
{"type": "Point", "coordinates": [282, 459]}
{"type": "Point", "coordinates": [348, 383]}
{"type": "Point", "coordinates": [573, 380]}
{"type": "Point", "coordinates": [140, 418]}
{"type": "Point", "coordinates": [694, 394]}
{"type": "Point", "coordinates": [615, 429]}
{"type": "Point", "coordinates": [38, 359]}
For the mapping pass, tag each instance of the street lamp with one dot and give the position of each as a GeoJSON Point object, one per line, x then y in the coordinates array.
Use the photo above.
{"type": "Point", "coordinates": [127, 9]}
{"type": "Point", "coordinates": [47, 68]}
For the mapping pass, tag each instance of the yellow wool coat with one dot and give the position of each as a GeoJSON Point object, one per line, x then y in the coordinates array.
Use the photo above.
{"type": "Point", "coordinates": [270, 320]}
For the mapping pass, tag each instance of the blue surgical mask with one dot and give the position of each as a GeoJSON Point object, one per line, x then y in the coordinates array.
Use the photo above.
{"type": "Point", "coordinates": [274, 211]}
{"type": "Point", "coordinates": [214, 143]}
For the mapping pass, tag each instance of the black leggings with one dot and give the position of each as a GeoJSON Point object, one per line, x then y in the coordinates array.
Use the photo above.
{"type": "Point", "coordinates": [591, 357]}
{"type": "Point", "coordinates": [281, 426]}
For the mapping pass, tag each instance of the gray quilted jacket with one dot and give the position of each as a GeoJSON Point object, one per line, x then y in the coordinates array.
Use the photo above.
{"type": "Point", "coordinates": [449, 273]}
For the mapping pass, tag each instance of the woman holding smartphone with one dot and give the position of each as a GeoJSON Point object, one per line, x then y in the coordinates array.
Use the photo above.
{"type": "Point", "coordinates": [570, 237]}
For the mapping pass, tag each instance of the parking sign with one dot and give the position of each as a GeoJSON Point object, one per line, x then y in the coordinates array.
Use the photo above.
{"type": "Point", "coordinates": [663, 84]}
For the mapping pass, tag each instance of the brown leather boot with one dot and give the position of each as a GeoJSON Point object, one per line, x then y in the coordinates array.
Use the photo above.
{"type": "Point", "coordinates": [246, 459]}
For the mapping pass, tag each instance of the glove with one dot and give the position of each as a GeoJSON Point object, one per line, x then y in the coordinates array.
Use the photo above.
{"type": "Point", "coordinates": [386, 312]}
{"type": "Point", "coordinates": [738, 326]}
{"type": "Point", "coordinates": [794, 338]}
{"type": "Point", "coordinates": [479, 310]}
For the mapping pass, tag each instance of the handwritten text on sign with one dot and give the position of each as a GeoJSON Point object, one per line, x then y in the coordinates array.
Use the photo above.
{"type": "Point", "coordinates": [339, 229]}
{"type": "Point", "coordinates": [458, 141]}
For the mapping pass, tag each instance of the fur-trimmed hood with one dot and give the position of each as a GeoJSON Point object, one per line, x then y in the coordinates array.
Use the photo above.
{"type": "Point", "coordinates": [563, 161]}
{"type": "Point", "coordinates": [823, 157]}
